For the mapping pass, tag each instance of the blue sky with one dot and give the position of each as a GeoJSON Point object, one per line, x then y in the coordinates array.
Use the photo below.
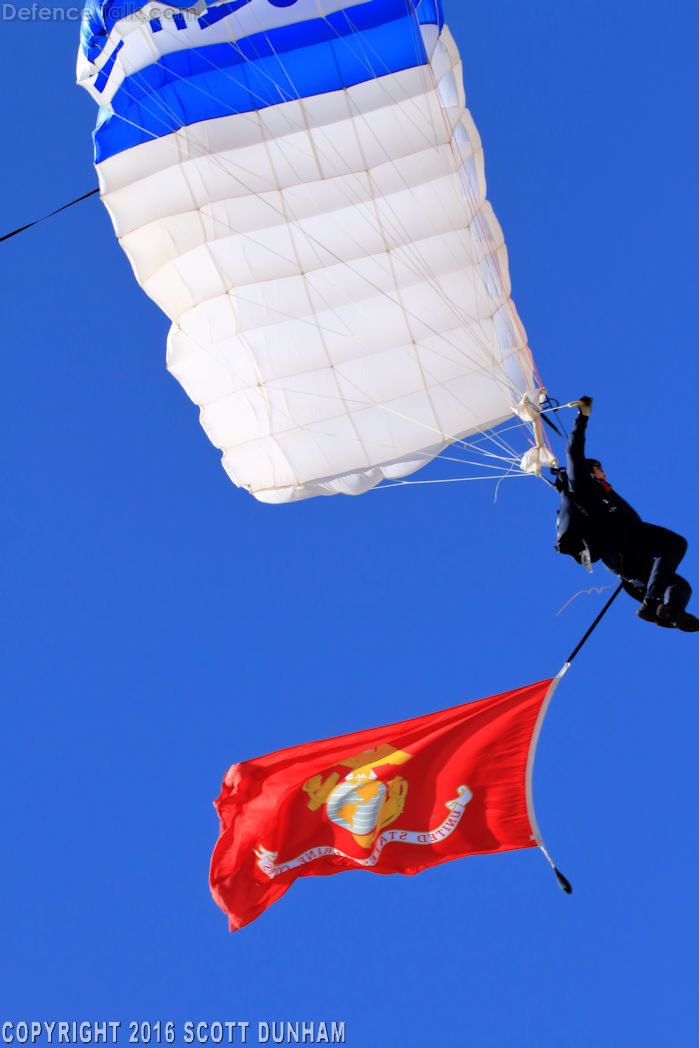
{"type": "Point", "coordinates": [161, 624]}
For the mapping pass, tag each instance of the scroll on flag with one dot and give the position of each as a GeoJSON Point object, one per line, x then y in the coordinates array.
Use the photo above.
{"type": "Point", "coordinates": [396, 799]}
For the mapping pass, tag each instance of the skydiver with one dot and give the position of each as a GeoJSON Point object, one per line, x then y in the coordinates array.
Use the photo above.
{"type": "Point", "coordinates": [597, 524]}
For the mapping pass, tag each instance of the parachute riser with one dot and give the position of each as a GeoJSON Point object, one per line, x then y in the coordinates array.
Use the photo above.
{"type": "Point", "coordinates": [528, 410]}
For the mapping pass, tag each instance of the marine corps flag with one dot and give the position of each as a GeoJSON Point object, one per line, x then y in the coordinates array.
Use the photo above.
{"type": "Point", "coordinates": [395, 799]}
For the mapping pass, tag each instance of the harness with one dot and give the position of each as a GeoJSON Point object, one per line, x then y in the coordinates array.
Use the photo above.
{"type": "Point", "coordinates": [573, 524]}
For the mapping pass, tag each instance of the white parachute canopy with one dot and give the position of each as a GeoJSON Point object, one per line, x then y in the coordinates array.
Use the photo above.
{"type": "Point", "coordinates": [299, 186]}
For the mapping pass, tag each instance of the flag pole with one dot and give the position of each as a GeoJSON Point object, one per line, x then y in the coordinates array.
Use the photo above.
{"type": "Point", "coordinates": [593, 627]}
{"type": "Point", "coordinates": [563, 882]}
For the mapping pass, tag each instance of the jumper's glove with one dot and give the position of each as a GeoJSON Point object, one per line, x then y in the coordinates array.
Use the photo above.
{"type": "Point", "coordinates": [585, 405]}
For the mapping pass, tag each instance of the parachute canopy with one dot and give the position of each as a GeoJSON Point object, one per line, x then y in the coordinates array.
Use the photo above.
{"type": "Point", "coordinates": [299, 186]}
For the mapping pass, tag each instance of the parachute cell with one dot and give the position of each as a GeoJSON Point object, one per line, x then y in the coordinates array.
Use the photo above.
{"type": "Point", "coordinates": [299, 186]}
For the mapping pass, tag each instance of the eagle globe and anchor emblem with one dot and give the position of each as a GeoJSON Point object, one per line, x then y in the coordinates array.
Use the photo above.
{"type": "Point", "coordinates": [364, 804]}
{"type": "Point", "coordinates": [361, 802]}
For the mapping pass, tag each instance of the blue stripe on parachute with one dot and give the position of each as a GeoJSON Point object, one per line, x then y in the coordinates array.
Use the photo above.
{"type": "Point", "coordinates": [215, 14]}
{"type": "Point", "coordinates": [297, 61]}
{"type": "Point", "coordinates": [100, 16]}
{"type": "Point", "coordinates": [104, 73]}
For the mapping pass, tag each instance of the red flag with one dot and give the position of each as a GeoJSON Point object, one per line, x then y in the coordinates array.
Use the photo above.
{"type": "Point", "coordinates": [396, 799]}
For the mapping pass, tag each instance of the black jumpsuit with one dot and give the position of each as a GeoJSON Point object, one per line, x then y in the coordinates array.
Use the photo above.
{"type": "Point", "coordinates": [644, 556]}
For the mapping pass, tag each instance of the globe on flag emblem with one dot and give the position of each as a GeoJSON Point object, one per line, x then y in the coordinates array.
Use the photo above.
{"type": "Point", "coordinates": [362, 802]}
{"type": "Point", "coordinates": [356, 807]}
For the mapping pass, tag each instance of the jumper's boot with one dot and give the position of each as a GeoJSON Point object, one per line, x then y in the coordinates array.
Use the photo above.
{"type": "Point", "coordinates": [681, 620]}
{"type": "Point", "coordinates": [648, 610]}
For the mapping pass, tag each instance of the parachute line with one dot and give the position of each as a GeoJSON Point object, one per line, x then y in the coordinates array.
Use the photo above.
{"type": "Point", "coordinates": [493, 435]}
{"type": "Point", "coordinates": [385, 485]}
{"type": "Point", "coordinates": [463, 319]}
{"type": "Point", "coordinates": [58, 210]}
{"type": "Point", "coordinates": [421, 269]}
